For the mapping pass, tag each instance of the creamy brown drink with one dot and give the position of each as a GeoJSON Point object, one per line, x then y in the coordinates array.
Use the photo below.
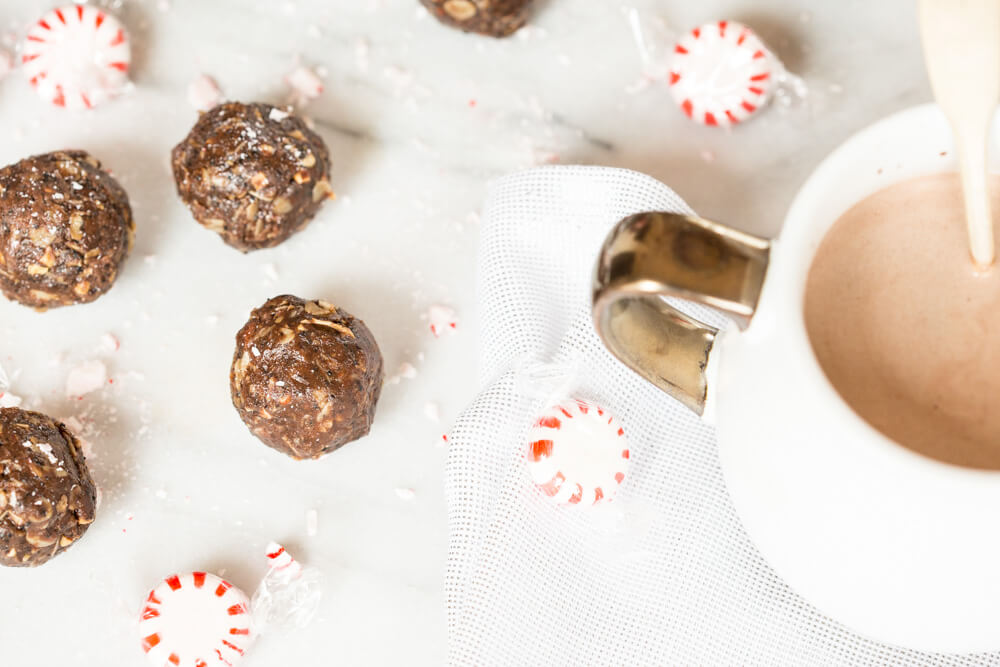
{"type": "Point", "coordinates": [905, 328]}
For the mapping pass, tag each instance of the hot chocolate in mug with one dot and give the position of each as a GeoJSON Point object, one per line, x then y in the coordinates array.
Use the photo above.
{"type": "Point", "coordinates": [899, 543]}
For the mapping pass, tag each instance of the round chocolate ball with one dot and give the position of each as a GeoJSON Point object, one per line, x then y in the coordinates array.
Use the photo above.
{"type": "Point", "coordinates": [47, 498]}
{"type": "Point", "coordinates": [306, 376]}
{"type": "Point", "coordinates": [494, 18]}
{"type": "Point", "coordinates": [65, 229]}
{"type": "Point", "coordinates": [252, 173]}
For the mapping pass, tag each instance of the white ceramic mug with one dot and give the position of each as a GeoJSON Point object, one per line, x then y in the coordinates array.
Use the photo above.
{"type": "Point", "coordinates": [896, 546]}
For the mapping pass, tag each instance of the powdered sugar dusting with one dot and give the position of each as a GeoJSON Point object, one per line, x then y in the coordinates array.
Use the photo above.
{"type": "Point", "coordinates": [277, 115]}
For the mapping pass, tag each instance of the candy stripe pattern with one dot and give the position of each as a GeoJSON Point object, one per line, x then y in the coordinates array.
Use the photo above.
{"type": "Point", "coordinates": [721, 73]}
{"type": "Point", "coordinates": [281, 561]}
{"type": "Point", "coordinates": [77, 56]}
{"type": "Point", "coordinates": [195, 620]}
{"type": "Point", "coordinates": [578, 453]}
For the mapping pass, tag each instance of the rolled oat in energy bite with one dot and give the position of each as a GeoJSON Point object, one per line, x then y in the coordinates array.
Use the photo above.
{"type": "Point", "coordinates": [47, 498]}
{"type": "Point", "coordinates": [306, 376]}
{"type": "Point", "coordinates": [65, 229]}
{"type": "Point", "coordinates": [253, 173]}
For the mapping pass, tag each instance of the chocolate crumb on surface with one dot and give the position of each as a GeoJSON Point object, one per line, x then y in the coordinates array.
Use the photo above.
{"type": "Point", "coordinates": [306, 376]}
{"type": "Point", "coordinates": [47, 498]}
{"type": "Point", "coordinates": [253, 173]}
{"type": "Point", "coordinates": [494, 18]}
{"type": "Point", "coordinates": [66, 228]}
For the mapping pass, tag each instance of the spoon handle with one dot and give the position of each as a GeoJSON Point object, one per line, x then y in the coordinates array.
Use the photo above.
{"type": "Point", "coordinates": [961, 40]}
{"type": "Point", "coordinates": [972, 161]}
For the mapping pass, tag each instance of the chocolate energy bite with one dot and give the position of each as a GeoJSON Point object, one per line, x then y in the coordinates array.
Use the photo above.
{"type": "Point", "coordinates": [494, 18]}
{"type": "Point", "coordinates": [65, 229]}
{"type": "Point", "coordinates": [253, 173]}
{"type": "Point", "coordinates": [47, 498]}
{"type": "Point", "coordinates": [306, 376]}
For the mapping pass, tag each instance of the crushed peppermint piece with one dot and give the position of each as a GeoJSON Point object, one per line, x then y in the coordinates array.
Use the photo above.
{"type": "Point", "coordinates": [312, 523]}
{"type": "Point", "coordinates": [405, 493]}
{"type": "Point", "coordinates": [406, 371]}
{"type": "Point", "coordinates": [305, 83]}
{"type": "Point", "coordinates": [9, 400]}
{"type": "Point", "coordinates": [278, 115]}
{"type": "Point", "coordinates": [442, 319]}
{"type": "Point", "coordinates": [203, 93]}
{"type": "Point", "coordinates": [432, 411]}
{"type": "Point", "coordinates": [361, 49]}
{"type": "Point", "coordinates": [85, 378]}
{"type": "Point", "coordinates": [6, 63]}
{"type": "Point", "coordinates": [110, 342]}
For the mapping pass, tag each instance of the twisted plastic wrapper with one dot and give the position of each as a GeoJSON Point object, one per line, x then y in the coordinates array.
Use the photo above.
{"type": "Point", "coordinates": [289, 595]}
{"type": "Point", "coordinates": [654, 40]}
{"type": "Point", "coordinates": [619, 527]}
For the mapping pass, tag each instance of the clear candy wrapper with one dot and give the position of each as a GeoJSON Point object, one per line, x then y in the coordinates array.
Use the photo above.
{"type": "Point", "coordinates": [577, 455]}
{"type": "Point", "coordinates": [719, 73]}
{"type": "Point", "coordinates": [198, 619]}
{"type": "Point", "coordinates": [289, 595]}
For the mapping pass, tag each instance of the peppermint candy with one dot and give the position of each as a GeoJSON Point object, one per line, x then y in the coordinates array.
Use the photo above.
{"type": "Point", "coordinates": [578, 453]}
{"type": "Point", "coordinates": [77, 56]}
{"type": "Point", "coordinates": [721, 73]}
{"type": "Point", "coordinates": [196, 620]}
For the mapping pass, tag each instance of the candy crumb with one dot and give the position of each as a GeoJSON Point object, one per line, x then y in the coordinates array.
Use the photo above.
{"type": "Point", "coordinates": [305, 83]}
{"type": "Point", "coordinates": [405, 493]}
{"type": "Point", "coordinates": [110, 342]}
{"type": "Point", "coordinates": [85, 378]}
{"type": "Point", "coordinates": [203, 93]}
{"type": "Point", "coordinates": [441, 319]}
{"type": "Point", "coordinates": [312, 523]}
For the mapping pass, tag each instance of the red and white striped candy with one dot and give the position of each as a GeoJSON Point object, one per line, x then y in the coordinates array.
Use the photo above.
{"type": "Point", "coordinates": [578, 453]}
{"type": "Point", "coordinates": [281, 561]}
{"type": "Point", "coordinates": [77, 56]}
{"type": "Point", "coordinates": [196, 620]}
{"type": "Point", "coordinates": [721, 73]}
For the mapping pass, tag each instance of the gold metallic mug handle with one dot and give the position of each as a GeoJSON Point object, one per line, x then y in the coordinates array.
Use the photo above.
{"type": "Point", "coordinates": [650, 256]}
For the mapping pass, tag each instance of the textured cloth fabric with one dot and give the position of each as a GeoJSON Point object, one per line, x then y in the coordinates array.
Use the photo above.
{"type": "Point", "coordinates": [664, 574]}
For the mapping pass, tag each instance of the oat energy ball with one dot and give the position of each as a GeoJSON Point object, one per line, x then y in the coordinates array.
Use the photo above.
{"type": "Point", "coordinates": [47, 498]}
{"type": "Point", "coordinates": [306, 376]}
{"type": "Point", "coordinates": [65, 229]}
{"type": "Point", "coordinates": [252, 173]}
{"type": "Point", "coordinates": [494, 18]}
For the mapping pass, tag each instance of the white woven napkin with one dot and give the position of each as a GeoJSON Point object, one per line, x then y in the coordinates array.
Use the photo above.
{"type": "Point", "coordinates": [665, 573]}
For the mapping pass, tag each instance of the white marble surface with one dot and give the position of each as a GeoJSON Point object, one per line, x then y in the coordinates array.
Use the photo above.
{"type": "Point", "coordinates": [418, 119]}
